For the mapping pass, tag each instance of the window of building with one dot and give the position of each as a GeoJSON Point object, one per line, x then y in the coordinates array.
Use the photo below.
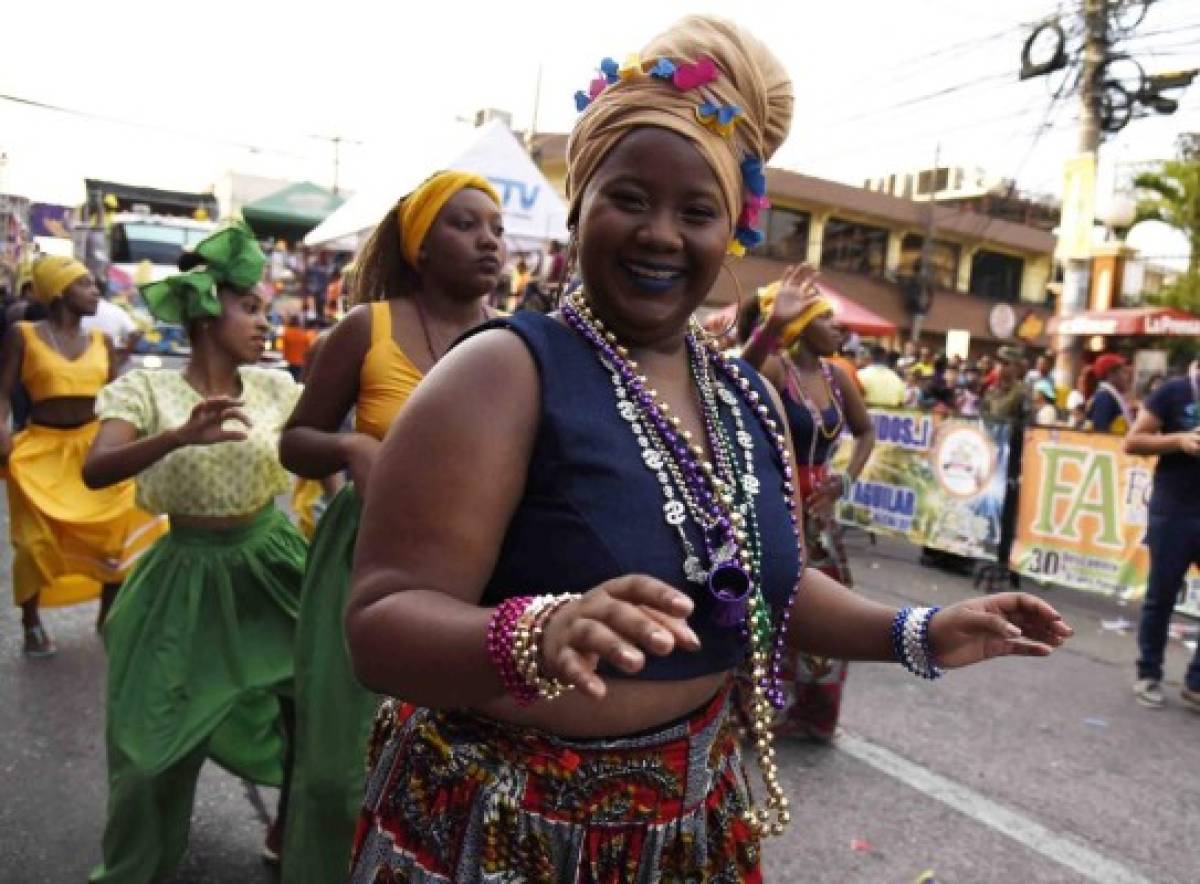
{"type": "Point", "coordinates": [943, 259]}
{"type": "Point", "coordinates": [859, 248]}
{"type": "Point", "coordinates": [996, 276]}
{"type": "Point", "coordinates": [785, 234]}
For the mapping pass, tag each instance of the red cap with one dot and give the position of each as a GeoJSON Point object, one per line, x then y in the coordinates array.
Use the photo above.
{"type": "Point", "coordinates": [1107, 363]}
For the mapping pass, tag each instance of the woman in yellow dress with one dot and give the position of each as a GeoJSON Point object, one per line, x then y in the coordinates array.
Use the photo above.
{"type": "Point", "coordinates": [423, 277]}
{"type": "Point", "coordinates": [68, 541]}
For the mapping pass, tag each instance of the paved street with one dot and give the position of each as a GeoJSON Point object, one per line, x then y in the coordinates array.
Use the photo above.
{"type": "Point", "coordinates": [1015, 771]}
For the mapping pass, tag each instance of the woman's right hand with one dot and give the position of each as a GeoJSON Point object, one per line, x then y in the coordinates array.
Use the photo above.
{"type": "Point", "coordinates": [619, 621]}
{"type": "Point", "coordinates": [205, 425]}
{"type": "Point", "coordinates": [796, 292]}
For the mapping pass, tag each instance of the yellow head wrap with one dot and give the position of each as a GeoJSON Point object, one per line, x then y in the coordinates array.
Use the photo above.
{"type": "Point", "coordinates": [420, 208]}
{"type": "Point", "coordinates": [52, 275]}
{"type": "Point", "coordinates": [795, 328]}
{"type": "Point", "coordinates": [750, 78]}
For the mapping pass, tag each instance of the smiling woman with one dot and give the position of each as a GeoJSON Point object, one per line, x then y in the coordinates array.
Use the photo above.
{"type": "Point", "coordinates": [611, 459]}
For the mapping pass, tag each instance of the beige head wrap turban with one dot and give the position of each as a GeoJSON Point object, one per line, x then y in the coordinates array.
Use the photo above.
{"type": "Point", "coordinates": [751, 78]}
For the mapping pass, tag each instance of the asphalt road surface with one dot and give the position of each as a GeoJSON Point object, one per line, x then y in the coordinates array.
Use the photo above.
{"type": "Point", "coordinates": [1013, 771]}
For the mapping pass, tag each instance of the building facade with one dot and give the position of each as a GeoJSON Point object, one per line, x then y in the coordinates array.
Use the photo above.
{"type": "Point", "coordinates": [870, 247]}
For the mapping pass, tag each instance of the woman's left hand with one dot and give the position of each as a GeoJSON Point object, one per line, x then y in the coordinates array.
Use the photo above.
{"type": "Point", "coordinates": [995, 626]}
{"type": "Point", "coordinates": [821, 502]}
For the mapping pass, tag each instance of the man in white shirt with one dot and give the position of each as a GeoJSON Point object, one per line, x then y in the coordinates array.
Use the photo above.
{"type": "Point", "coordinates": [118, 325]}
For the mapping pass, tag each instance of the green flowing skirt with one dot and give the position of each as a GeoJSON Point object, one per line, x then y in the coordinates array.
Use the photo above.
{"type": "Point", "coordinates": [200, 643]}
{"type": "Point", "coordinates": [334, 712]}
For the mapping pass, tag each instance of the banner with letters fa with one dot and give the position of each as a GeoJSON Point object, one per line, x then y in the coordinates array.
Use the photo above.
{"type": "Point", "coordinates": [938, 481]}
{"type": "Point", "coordinates": [1082, 514]}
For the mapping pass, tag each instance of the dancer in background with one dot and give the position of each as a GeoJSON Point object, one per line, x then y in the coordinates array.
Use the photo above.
{"type": "Point", "coordinates": [424, 275]}
{"type": "Point", "coordinates": [200, 640]}
{"type": "Point", "coordinates": [820, 401]}
{"type": "Point", "coordinates": [581, 525]}
{"type": "Point", "coordinates": [70, 543]}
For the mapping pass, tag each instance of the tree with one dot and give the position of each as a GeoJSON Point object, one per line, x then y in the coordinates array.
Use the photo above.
{"type": "Point", "coordinates": [1172, 195]}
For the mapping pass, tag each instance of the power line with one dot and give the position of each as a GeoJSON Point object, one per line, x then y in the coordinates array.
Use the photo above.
{"type": "Point", "coordinates": [153, 127]}
{"type": "Point", "coordinates": [920, 99]}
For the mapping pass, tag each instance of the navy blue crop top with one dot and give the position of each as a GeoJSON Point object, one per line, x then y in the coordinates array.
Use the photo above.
{"type": "Point", "coordinates": [591, 511]}
{"type": "Point", "coordinates": [800, 422]}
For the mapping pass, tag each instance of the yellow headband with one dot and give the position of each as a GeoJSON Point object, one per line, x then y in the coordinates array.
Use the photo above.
{"type": "Point", "coordinates": [795, 328]}
{"type": "Point", "coordinates": [52, 275]}
{"type": "Point", "coordinates": [419, 209]}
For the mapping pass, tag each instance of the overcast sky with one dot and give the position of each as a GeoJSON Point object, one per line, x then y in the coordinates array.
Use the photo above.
{"type": "Point", "coordinates": [245, 85]}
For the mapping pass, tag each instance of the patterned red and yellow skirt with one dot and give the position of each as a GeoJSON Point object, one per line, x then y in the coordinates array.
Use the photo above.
{"type": "Point", "coordinates": [456, 797]}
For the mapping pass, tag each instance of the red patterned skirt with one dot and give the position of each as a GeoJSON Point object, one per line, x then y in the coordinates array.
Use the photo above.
{"type": "Point", "coordinates": [453, 796]}
{"type": "Point", "coordinates": [814, 685]}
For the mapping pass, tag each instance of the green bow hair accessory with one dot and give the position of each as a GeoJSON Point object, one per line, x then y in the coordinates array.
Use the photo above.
{"type": "Point", "coordinates": [181, 298]}
{"type": "Point", "coordinates": [230, 257]}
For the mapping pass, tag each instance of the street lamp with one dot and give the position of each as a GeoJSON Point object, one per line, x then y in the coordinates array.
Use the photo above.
{"type": "Point", "coordinates": [1119, 215]}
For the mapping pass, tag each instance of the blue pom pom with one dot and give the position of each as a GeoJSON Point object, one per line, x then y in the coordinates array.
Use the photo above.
{"type": "Point", "coordinates": [610, 69]}
{"type": "Point", "coordinates": [748, 236]}
{"type": "Point", "coordinates": [581, 101]}
{"type": "Point", "coordinates": [664, 69]}
{"type": "Point", "coordinates": [752, 175]}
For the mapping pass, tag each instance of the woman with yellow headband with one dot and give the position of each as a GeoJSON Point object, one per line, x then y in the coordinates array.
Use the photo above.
{"type": "Point", "coordinates": [582, 525]}
{"type": "Point", "coordinates": [420, 282]}
{"type": "Point", "coordinates": [68, 541]}
{"type": "Point", "coordinates": [200, 640]}
{"type": "Point", "coordinates": [793, 347]}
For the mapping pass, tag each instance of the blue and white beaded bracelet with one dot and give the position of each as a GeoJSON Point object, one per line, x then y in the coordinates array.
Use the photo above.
{"type": "Point", "coordinates": [910, 641]}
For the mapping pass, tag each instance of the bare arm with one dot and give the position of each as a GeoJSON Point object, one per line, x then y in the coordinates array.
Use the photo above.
{"type": "Point", "coordinates": [1146, 437]}
{"type": "Point", "coordinates": [794, 296]}
{"type": "Point", "coordinates": [10, 369]}
{"type": "Point", "coordinates": [859, 421]}
{"type": "Point", "coordinates": [118, 454]}
{"type": "Point", "coordinates": [427, 547]}
{"type": "Point", "coordinates": [311, 444]}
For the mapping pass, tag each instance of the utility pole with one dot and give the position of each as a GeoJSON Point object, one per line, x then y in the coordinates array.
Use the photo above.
{"type": "Point", "coordinates": [924, 279]}
{"type": "Point", "coordinates": [531, 133]}
{"type": "Point", "coordinates": [1077, 267]}
{"type": "Point", "coordinates": [337, 161]}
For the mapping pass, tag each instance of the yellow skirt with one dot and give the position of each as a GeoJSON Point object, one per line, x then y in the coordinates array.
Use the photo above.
{"type": "Point", "coordinates": [67, 539]}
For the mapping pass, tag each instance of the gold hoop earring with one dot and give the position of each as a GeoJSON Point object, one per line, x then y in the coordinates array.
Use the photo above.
{"type": "Point", "coordinates": [739, 294]}
{"type": "Point", "coordinates": [569, 262]}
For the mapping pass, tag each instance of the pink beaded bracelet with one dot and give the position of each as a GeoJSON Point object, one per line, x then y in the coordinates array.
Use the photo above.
{"type": "Point", "coordinates": [501, 632]}
{"type": "Point", "coordinates": [514, 637]}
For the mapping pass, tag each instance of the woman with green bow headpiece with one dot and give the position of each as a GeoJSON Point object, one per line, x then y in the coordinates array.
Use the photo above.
{"type": "Point", "coordinates": [200, 642]}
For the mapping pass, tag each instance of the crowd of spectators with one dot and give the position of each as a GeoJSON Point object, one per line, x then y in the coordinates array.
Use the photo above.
{"type": "Point", "coordinates": [1011, 384]}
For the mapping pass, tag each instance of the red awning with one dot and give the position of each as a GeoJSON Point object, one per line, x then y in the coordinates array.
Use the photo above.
{"type": "Point", "coordinates": [1139, 321]}
{"type": "Point", "coordinates": [855, 316]}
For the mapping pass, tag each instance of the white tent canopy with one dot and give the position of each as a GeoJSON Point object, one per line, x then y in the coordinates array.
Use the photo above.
{"type": "Point", "coordinates": [533, 212]}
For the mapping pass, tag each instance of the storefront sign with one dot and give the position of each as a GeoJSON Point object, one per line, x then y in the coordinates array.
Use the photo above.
{"type": "Point", "coordinates": [1082, 514]}
{"type": "Point", "coordinates": [938, 481]}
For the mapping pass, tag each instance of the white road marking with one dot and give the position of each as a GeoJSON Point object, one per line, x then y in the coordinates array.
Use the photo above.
{"type": "Point", "coordinates": [1020, 828]}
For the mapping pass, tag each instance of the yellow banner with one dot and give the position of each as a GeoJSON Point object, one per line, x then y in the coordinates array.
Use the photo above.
{"type": "Point", "coordinates": [1082, 514]}
{"type": "Point", "coordinates": [1078, 207]}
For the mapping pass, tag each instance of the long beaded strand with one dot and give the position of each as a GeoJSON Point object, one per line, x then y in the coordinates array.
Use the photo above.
{"type": "Point", "coordinates": [765, 656]}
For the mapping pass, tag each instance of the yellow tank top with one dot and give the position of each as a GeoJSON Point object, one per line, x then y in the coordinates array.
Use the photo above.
{"type": "Point", "coordinates": [47, 374]}
{"type": "Point", "coordinates": [387, 378]}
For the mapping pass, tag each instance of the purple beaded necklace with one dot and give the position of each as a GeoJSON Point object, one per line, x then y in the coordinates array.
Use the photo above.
{"type": "Point", "coordinates": [733, 597]}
